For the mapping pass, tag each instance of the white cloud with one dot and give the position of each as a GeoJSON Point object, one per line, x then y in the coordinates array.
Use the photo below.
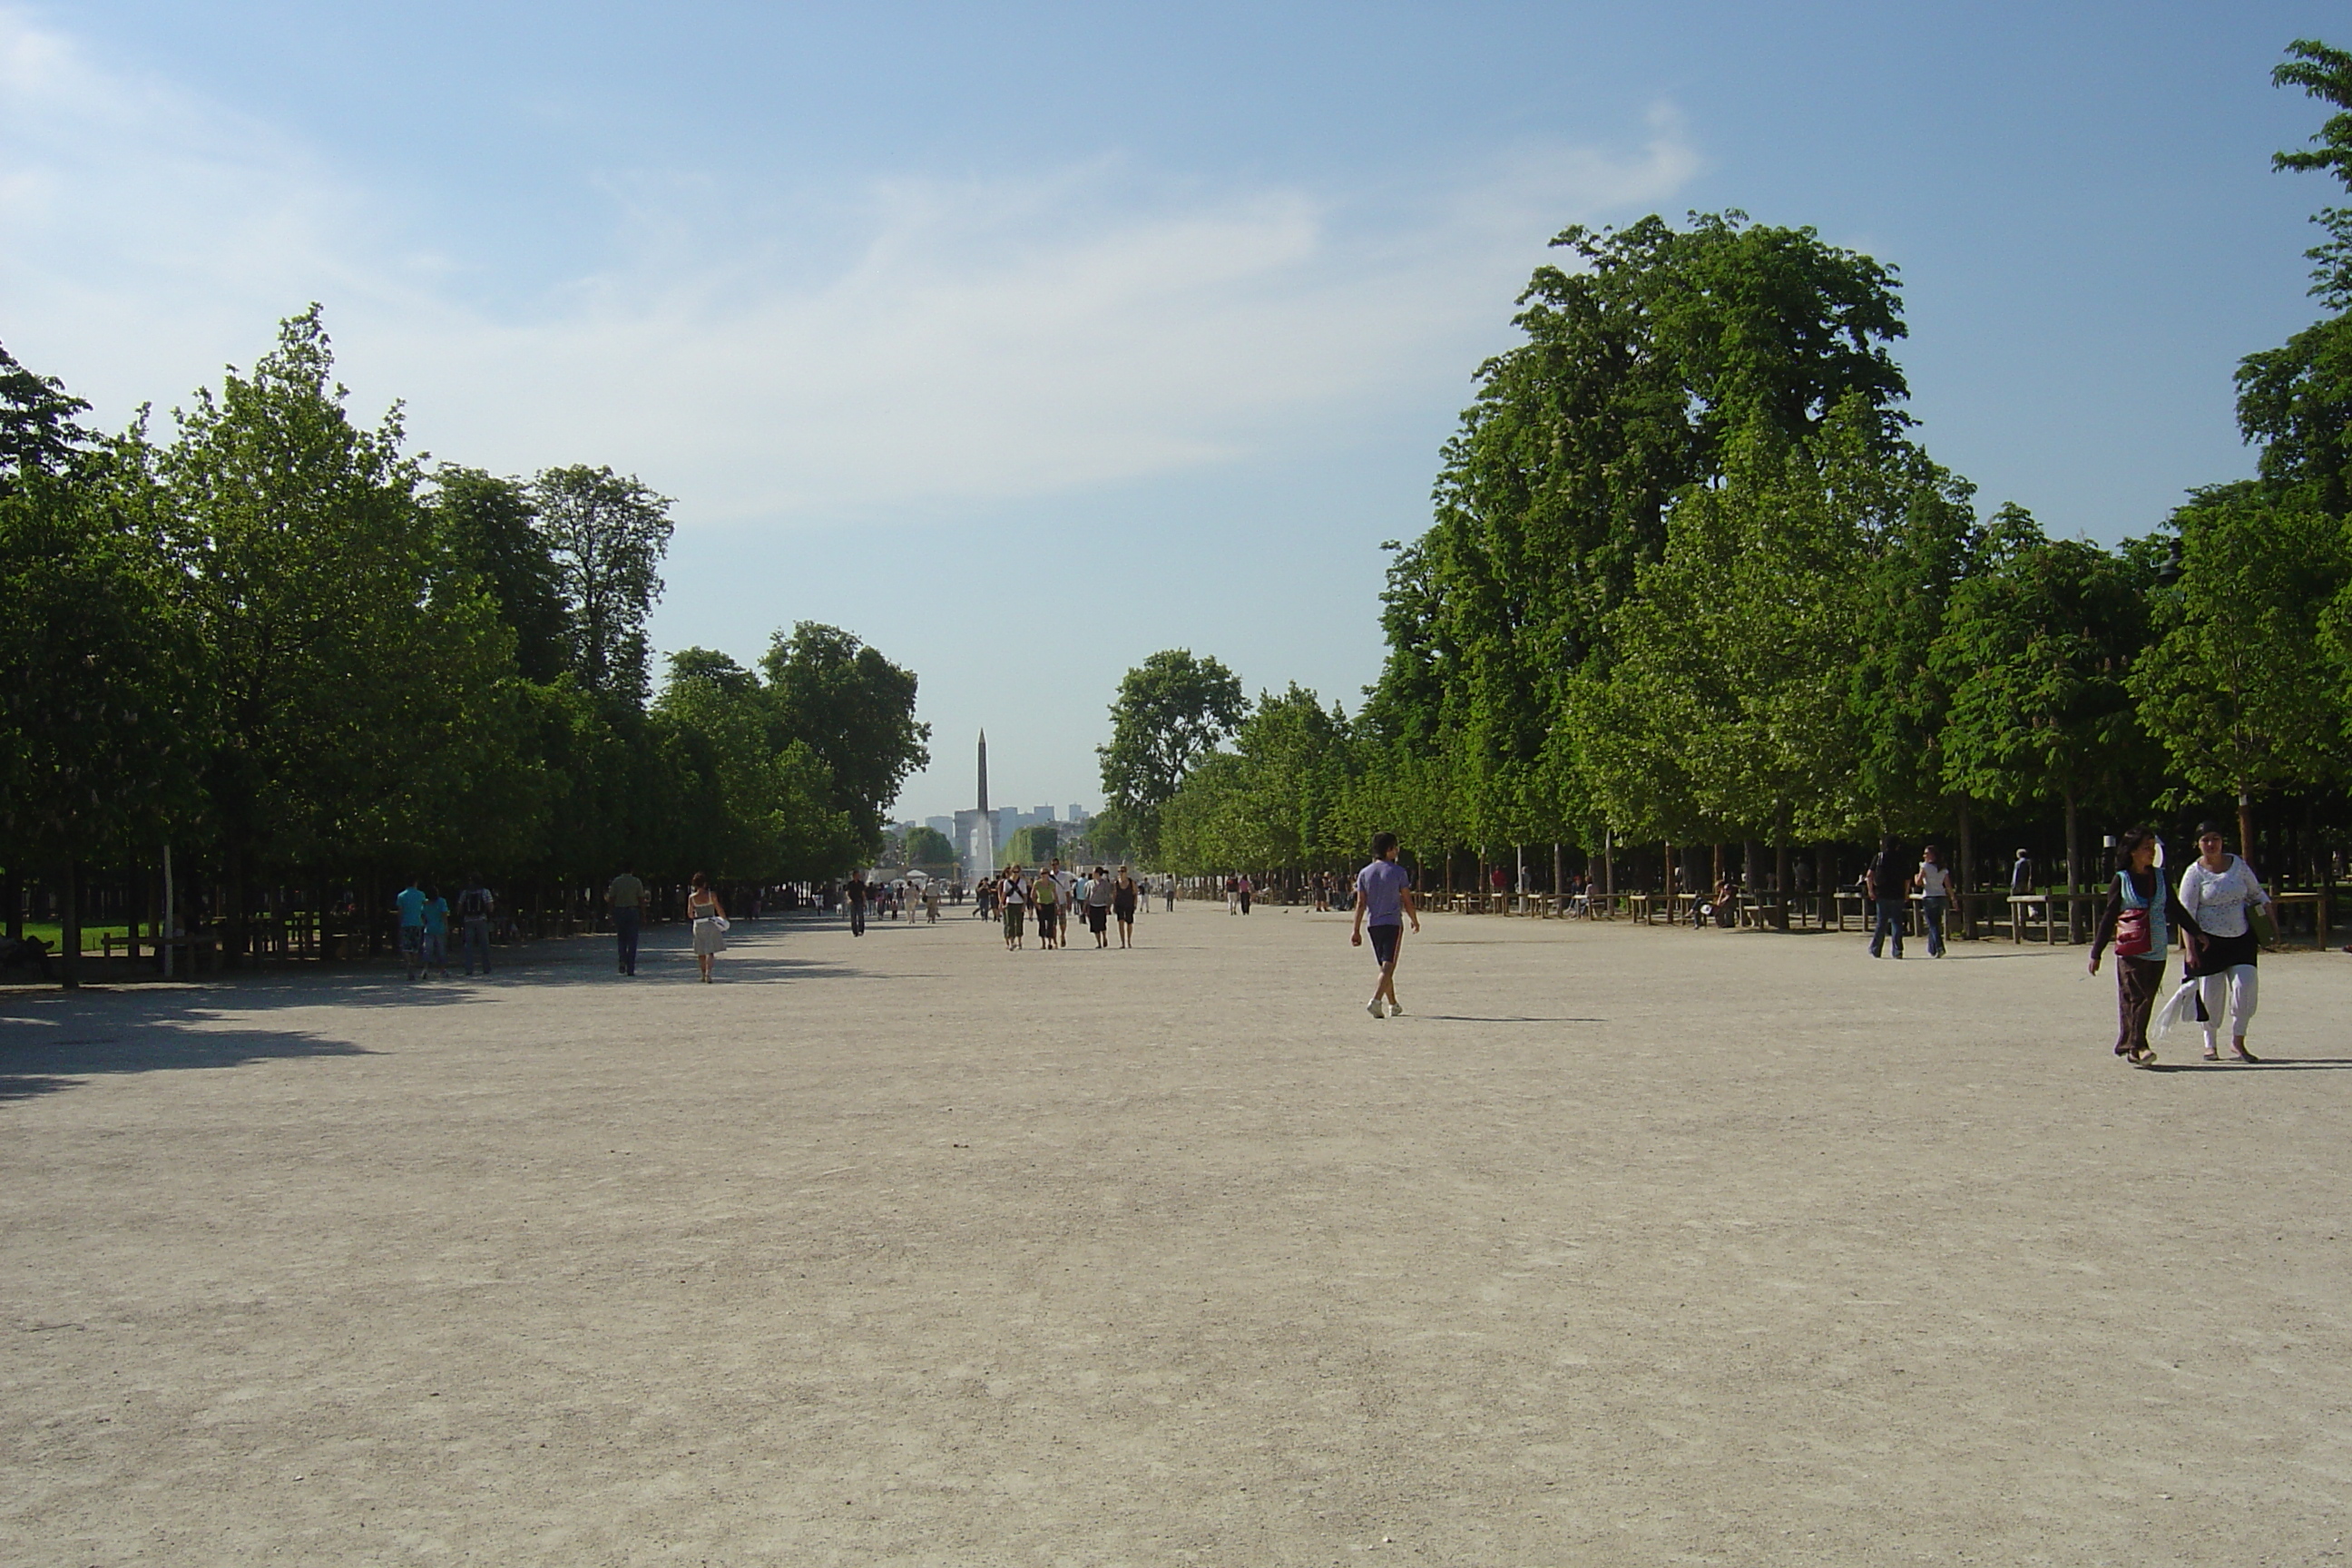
{"type": "Point", "coordinates": [977, 340]}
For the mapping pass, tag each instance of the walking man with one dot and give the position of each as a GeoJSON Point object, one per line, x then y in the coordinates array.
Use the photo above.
{"type": "Point", "coordinates": [1888, 880]}
{"type": "Point", "coordinates": [1384, 902]}
{"type": "Point", "coordinates": [475, 904]}
{"type": "Point", "coordinates": [627, 898]}
{"type": "Point", "coordinates": [857, 903]}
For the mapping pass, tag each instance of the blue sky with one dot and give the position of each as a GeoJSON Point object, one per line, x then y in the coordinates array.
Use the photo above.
{"type": "Point", "coordinates": [1026, 340]}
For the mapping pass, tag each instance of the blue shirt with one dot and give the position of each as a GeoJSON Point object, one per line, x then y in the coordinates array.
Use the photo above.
{"type": "Point", "coordinates": [411, 906]}
{"type": "Point", "coordinates": [436, 918]}
{"type": "Point", "coordinates": [1381, 886]}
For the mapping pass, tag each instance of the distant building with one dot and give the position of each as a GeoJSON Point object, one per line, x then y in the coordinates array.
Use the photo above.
{"type": "Point", "coordinates": [942, 825]}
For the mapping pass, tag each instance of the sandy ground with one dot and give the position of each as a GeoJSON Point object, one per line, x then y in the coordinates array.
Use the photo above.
{"type": "Point", "coordinates": [1627, 1246]}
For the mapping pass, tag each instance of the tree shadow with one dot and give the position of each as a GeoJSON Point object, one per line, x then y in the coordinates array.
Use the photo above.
{"type": "Point", "coordinates": [42, 1055]}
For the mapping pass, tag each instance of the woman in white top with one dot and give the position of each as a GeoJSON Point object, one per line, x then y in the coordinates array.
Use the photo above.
{"type": "Point", "coordinates": [710, 924]}
{"type": "Point", "coordinates": [1935, 885]}
{"type": "Point", "coordinates": [1014, 892]}
{"type": "Point", "coordinates": [2218, 890]}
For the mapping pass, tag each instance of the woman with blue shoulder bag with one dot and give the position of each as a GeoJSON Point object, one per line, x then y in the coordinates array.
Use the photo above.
{"type": "Point", "coordinates": [2141, 913]}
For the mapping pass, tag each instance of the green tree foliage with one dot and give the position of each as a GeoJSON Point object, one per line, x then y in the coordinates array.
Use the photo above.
{"type": "Point", "coordinates": [606, 534]}
{"type": "Point", "coordinates": [750, 809]}
{"type": "Point", "coordinates": [489, 527]}
{"type": "Point", "coordinates": [2238, 687]}
{"type": "Point", "coordinates": [2296, 399]}
{"type": "Point", "coordinates": [1688, 578]}
{"type": "Point", "coordinates": [102, 715]}
{"type": "Point", "coordinates": [1032, 846]}
{"type": "Point", "coordinates": [856, 711]}
{"type": "Point", "coordinates": [1639, 363]}
{"type": "Point", "coordinates": [1170, 711]}
{"type": "Point", "coordinates": [278, 643]}
{"type": "Point", "coordinates": [2036, 651]}
{"type": "Point", "coordinates": [37, 430]}
{"type": "Point", "coordinates": [368, 704]}
{"type": "Point", "coordinates": [927, 847]}
{"type": "Point", "coordinates": [1277, 800]}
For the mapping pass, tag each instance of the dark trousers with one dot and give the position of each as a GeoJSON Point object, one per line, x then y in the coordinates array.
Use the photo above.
{"type": "Point", "coordinates": [1934, 909]}
{"type": "Point", "coordinates": [857, 919]}
{"type": "Point", "coordinates": [1891, 915]}
{"type": "Point", "coordinates": [2137, 981]}
{"type": "Point", "coordinates": [625, 926]}
{"type": "Point", "coordinates": [478, 945]}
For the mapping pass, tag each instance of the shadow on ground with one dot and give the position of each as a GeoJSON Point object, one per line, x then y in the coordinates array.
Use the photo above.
{"type": "Point", "coordinates": [52, 1040]}
{"type": "Point", "coordinates": [45, 1055]}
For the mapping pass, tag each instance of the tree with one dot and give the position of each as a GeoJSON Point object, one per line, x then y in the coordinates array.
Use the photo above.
{"type": "Point", "coordinates": [1032, 846]}
{"type": "Point", "coordinates": [1170, 711]}
{"type": "Point", "coordinates": [101, 714]}
{"type": "Point", "coordinates": [369, 708]}
{"type": "Point", "coordinates": [1727, 707]}
{"type": "Point", "coordinates": [1640, 366]}
{"type": "Point", "coordinates": [489, 527]}
{"type": "Point", "coordinates": [37, 432]}
{"type": "Point", "coordinates": [753, 809]}
{"type": "Point", "coordinates": [856, 711]}
{"type": "Point", "coordinates": [2296, 399]}
{"type": "Point", "coordinates": [606, 533]}
{"type": "Point", "coordinates": [929, 847]}
{"type": "Point", "coordinates": [2238, 687]}
{"type": "Point", "coordinates": [2037, 651]}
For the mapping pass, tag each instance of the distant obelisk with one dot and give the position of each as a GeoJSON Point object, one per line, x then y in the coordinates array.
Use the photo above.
{"type": "Point", "coordinates": [979, 838]}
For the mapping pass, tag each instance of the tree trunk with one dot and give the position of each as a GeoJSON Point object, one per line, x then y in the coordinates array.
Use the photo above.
{"type": "Point", "coordinates": [69, 922]}
{"type": "Point", "coordinates": [1608, 864]}
{"type": "Point", "coordinates": [1555, 880]}
{"type": "Point", "coordinates": [1960, 871]}
{"type": "Point", "coordinates": [1673, 875]}
{"type": "Point", "coordinates": [2073, 879]}
{"type": "Point", "coordinates": [1780, 867]}
{"type": "Point", "coordinates": [2246, 824]}
{"type": "Point", "coordinates": [12, 891]}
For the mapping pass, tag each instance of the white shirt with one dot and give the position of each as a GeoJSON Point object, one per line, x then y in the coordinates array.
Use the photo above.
{"type": "Point", "coordinates": [1935, 882]}
{"type": "Point", "coordinates": [2217, 901]}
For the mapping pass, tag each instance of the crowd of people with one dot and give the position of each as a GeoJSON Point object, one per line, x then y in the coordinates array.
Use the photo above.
{"type": "Point", "coordinates": [1050, 897]}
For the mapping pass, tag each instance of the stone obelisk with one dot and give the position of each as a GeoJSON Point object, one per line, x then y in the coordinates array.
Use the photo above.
{"type": "Point", "coordinates": [983, 825]}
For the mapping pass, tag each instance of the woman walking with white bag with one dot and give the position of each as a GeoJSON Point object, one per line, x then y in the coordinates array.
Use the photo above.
{"type": "Point", "coordinates": [710, 924]}
{"type": "Point", "coordinates": [2221, 892]}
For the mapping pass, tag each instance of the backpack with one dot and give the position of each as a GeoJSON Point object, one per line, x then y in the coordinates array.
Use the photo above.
{"type": "Point", "coordinates": [473, 904]}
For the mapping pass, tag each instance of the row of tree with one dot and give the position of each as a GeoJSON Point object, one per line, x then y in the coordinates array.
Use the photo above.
{"type": "Point", "coordinates": [1691, 580]}
{"type": "Point", "coordinates": [281, 644]}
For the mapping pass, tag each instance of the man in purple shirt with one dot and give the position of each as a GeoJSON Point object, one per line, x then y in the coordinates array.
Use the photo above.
{"type": "Point", "coordinates": [1384, 902]}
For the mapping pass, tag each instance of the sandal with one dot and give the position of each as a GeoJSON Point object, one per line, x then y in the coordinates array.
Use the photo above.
{"type": "Point", "coordinates": [2143, 1057]}
{"type": "Point", "coordinates": [2246, 1056]}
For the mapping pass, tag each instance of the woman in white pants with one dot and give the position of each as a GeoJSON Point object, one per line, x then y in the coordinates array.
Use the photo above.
{"type": "Point", "coordinates": [2219, 891]}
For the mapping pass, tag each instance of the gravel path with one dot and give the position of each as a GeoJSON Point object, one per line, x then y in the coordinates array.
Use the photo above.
{"type": "Point", "coordinates": [1627, 1246]}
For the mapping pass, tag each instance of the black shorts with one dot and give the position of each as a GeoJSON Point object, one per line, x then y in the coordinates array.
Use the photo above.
{"type": "Point", "coordinates": [1384, 942]}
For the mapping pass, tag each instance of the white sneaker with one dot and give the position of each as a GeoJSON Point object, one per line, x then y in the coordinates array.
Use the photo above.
{"type": "Point", "coordinates": [1396, 1009]}
{"type": "Point", "coordinates": [1373, 1007]}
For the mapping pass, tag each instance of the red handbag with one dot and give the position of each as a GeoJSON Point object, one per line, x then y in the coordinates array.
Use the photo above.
{"type": "Point", "coordinates": [2131, 934]}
